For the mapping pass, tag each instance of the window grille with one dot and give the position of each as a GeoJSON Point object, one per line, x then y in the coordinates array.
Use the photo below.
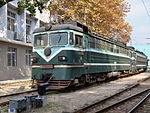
{"type": "Point", "coordinates": [27, 57]}
{"type": "Point", "coordinates": [11, 21]}
{"type": "Point", "coordinates": [12, 56]}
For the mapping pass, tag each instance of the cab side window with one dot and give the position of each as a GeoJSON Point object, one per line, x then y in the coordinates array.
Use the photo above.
{"type": "Point", "coordinates": [71, 41]}
{"type": "Point", "coordinates": [78, 40]}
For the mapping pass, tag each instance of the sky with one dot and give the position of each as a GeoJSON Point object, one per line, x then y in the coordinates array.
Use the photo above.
{"type": "Point", "coordinates": [140, 22]}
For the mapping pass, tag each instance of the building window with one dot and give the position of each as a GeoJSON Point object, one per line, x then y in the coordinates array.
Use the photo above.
{"type": "Point", "coordinates": [28, 56]}
{"type": "Point", "coordinates": [28, 30]}
{"type": "Point", "coordinates": [12, 56]}
{"type": "Point", "coordinates": [11, 21]}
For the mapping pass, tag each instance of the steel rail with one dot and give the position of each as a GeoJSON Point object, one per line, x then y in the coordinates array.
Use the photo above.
{"type": "Point", "coordinates": [93, 105]}
{"type": "Point", "coordinates": [139, 103]}
{"type": "Point", "coordinates": [18, 93]}
{"type": "Point", "coordinates": [123, 100]}
{"type": "Point", "coordinates": [4, 103]}
{"type": "Point", "coordinates": [107, 98]}
{"type": "Point", "coordinates": [23, 92]}
{"type": "Point", "coordinates": [13, 94]}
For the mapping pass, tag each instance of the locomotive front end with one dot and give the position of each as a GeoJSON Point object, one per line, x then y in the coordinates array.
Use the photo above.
{"type": "Point", "coordinates": [55, 58]}
{"type": "Point", "coordinates": [48, 57]}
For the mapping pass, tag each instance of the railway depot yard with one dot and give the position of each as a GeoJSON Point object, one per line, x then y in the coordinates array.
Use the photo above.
{"type": "Point", "coordinates": [72, 101]}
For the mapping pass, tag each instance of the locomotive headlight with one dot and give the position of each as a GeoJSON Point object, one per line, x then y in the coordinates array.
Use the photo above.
{"type": "Point", "coordinates": [33, 59]}
{"type": "Point", "coordinates": [62, 58]}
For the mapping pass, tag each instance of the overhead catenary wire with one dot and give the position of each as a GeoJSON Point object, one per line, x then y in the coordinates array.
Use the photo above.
{"type": "Point", "coordinates": [146, 8]}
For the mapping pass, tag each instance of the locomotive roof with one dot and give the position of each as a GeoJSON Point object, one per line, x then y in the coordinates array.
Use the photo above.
{"type": "Point", "coordinates": [110, 40]}
{"type": "Point", "coordinates": [140, 52]}
{"type": "Point", "coordinates": [58, 27]}
{"type": "Point", "coordinates": [81, 28]}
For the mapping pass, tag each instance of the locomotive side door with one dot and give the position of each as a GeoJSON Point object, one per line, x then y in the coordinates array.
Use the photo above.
{"type": "Point", "coordinates": [86, 55]}
{"type": "Point", "coordinates": [79, 44]}
{"type": "Point", "coordinates": [133, 61]}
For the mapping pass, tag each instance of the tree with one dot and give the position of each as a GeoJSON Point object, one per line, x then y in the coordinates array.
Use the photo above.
{"type": "Point", "coordinates": [30, 5]}
{"type": "Point", "coordinates": [3, 2]}
{"type": "Point", "coordinates": [106, 17]}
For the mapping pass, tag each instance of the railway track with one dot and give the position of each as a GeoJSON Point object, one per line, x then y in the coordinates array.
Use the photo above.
{"type": "Point", "coordinates": [120, 106]}
{"type": "Point", "coordinates": [129, 98]}
{"type": "Point", "coordinates": [138, 105]}
{"type": "Point", "coordinates": [4, 99]}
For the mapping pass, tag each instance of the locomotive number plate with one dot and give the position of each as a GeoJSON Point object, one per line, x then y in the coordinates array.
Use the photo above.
{"type": "Point", "coordinates": [47, 66]}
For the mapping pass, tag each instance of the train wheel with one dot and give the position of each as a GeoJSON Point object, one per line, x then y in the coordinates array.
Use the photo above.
{"type": "Point", "coordinates": [101, 78]}
{"type": "Point", "coordinates": [82, 80]}
{"type": "Point", "coordinates": [87, 78]}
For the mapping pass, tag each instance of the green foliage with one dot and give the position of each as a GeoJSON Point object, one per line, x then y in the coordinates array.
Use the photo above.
{"type": "Point", "coordinates": [21, 6]}
{"type": "Point", "coordinates": [3, 2]}
{"type": "Point", "coordinates": [106, 17]}
{"type": "Point", "coordinates": [50, 105]}
{"type": "Point", "coordinates": [26, 4]}
{"type": "Point", "coordinates": [30, 5]}
{"type": "Point", "coordinates": [4, 109]}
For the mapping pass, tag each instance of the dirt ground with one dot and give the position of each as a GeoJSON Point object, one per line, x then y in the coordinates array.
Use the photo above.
{"type": "Point", "coordinates": [8, 87]}
{"type": "Point", "coordinates": [72, 101]}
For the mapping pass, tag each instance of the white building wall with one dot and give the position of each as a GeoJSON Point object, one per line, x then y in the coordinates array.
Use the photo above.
{"type": "Point", "coordinates": [21, 25]}
{"type": "Point", "coordinates": [22, 70]}
{"type": "Point", "coordinates": [3, 22]}
{"type": "Point", "coordinates": [20, 21]}
{"type": "Point", "coordinates": [45, 16]}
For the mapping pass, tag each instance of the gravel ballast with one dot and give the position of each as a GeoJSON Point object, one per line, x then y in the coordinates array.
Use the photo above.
{"type": "Point", "coordinates": [72, 101]}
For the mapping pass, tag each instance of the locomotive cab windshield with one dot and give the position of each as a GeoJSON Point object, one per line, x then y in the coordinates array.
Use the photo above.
{"type": "Point", "coordinates": [58, 38]}
{"type": "Point", "coordinates": [51, 39]}
{"type": "Point", "coordinates": [40, 40]}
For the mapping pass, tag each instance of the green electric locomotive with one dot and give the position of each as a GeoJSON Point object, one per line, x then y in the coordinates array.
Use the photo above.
{"type": "Point", "coordinates": [68, 54]}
